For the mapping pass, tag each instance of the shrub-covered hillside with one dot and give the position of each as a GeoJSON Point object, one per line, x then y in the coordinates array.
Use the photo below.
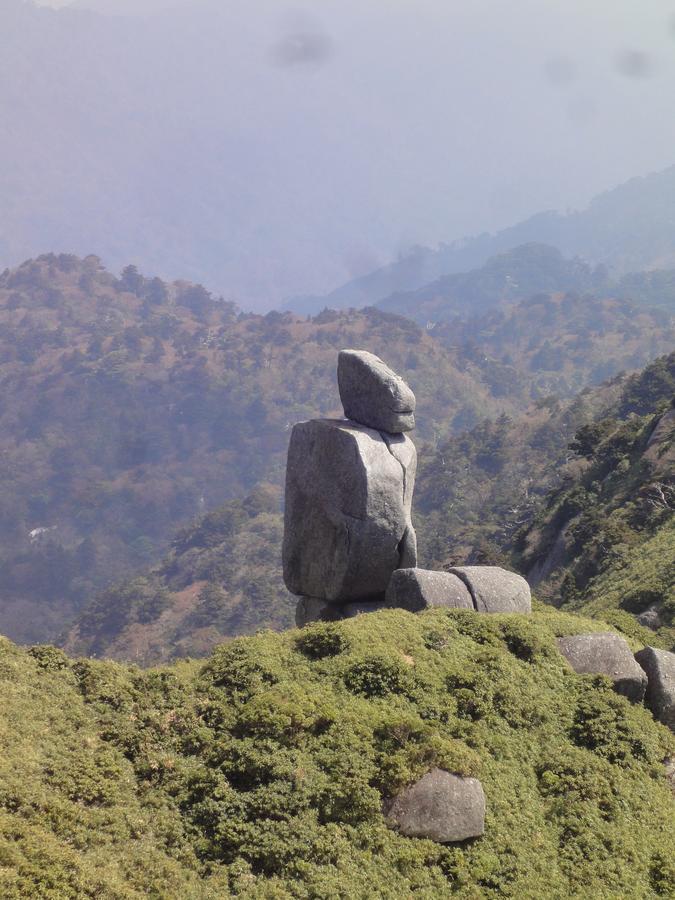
{"type": "Point", "coordinates": [604, 541]}
{"type": "Point", "coordinates": [262, 772]}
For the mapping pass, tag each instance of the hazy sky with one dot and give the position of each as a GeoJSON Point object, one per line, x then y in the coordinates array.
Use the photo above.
{"type": "Point", "coordinates": [338, 133]}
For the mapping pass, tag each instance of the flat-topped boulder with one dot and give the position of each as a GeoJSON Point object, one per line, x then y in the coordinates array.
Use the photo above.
{"type": "Point", "coordinates": [373, 394]}
{"type": "Point", "coordinates": [605, 653]}
{"type": "Point", "coordinates": [440, 806]}
{"type": "Point", "coordinates": [495, 590]}
{"type": "Point", "coordinates": [347, 520]}
{"type": "Point", "coordinates": [418, 589]}
{"type": "Point", "coordinates": [660, 697]}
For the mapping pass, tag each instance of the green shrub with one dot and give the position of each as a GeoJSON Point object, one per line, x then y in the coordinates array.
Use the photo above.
{"type": "Point", "coordinates": [321, 640]}
{"type": "Point", "coordinates": [378, 676]}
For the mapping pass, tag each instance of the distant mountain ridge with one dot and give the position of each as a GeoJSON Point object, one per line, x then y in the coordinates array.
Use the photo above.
{"type": "Point", "coordinates": [627, 229]}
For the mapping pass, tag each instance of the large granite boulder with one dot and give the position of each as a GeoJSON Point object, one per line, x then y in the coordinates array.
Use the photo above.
{"type": "Point", "coordinates": [495, 590]}
{"type": "Point", "coordinates": [660, 697]}
{"type": "Point", "coordinates": [347, 520]}
{"type": "Point", "coordinates": [608, 654]}
{"type": "Point", "coordinates": [418, 589]}
{"type": "Point", "coordinates": [373, 394]}
{"type": "Point", "coordinates": [440, 806]}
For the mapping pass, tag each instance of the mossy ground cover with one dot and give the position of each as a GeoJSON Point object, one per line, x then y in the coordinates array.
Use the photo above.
{"type": "Point", "coordinates": [261, 772]}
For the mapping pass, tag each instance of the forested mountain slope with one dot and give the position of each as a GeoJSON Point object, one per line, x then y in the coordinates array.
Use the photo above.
{"type": "Point", "coordinates": [475, 495]}
{"type": "Point", "coordinates": [132, 406]}
{"type": "Point", "coordinates": [604, 541]}
{"type": "Point", "coordinates": [504, 279]}
{"type": "Point", "coordinates": [262, 773]}
{"type": "Point", "coordinates": [221, 578]}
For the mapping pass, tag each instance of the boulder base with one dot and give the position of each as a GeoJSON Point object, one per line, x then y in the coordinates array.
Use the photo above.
{"type": "Point", "coordinates": [309, 609]}
{"type": "Point", "coordinates": [373, 394]}
{"type": "Point", "coordinates": [418, 589]}
{"type": "Point", "coordinates": [608, 654]}
{"type": "Point", "coordinates": [347, 520]}
{"type": "Point", "coordinates": [495, 590]}
{"type": "Point", "coordinates": [440, 806]}
{"type": "Point", "coordinates": [660, 668]}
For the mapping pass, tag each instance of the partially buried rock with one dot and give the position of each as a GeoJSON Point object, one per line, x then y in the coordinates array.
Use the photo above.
{"type": "Point", "coordinates": [660, 668]}
{"type": "Point", "coordinates": [608, 654]}
{"type": "Point", "coordinates": [347, 520]}
{"type": "Point", "coordinates": [440, 806]}
{"type": "Point", "coordinates": [495, 590]}
{"type": "Point", "coordinates": [373, 394]}
{"type": "Point", "coordinates": [418, 589]}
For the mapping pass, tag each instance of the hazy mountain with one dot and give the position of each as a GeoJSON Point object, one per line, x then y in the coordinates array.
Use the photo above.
{"type": "Point", "coordinates": [268, 151]}
{"type": "Point", "coordinates": [623, 230]}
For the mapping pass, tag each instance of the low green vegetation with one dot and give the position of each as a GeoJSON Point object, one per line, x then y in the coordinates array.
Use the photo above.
{"type": "Point", "coordinates": [260, 773]}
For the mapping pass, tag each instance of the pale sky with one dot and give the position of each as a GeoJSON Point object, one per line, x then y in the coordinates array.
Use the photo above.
{"type": "Point", "coordinates": [333, 135]}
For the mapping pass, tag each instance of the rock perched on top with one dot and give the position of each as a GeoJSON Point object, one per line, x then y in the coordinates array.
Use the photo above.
{"type": "Point", "coordinates": [418, 589]}
{"type": "Point", "coordinates": [347, 518]}
{"type": "Point", "coordinates": [608, 654]}
{"type": "Point", "coordinates": [440, 806]}
{"type": "Point", "coordinates": [374, 395]}
{"type": "Point", "coordinates": [495, 590]}
{"type": "Point", "coordinates": [660, 668]}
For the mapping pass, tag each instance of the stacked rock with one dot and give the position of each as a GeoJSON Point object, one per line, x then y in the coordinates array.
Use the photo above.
{"type": "Point", "coordinates": [349, 487]}
{"type": "Point", "coordinates": [349, 543]}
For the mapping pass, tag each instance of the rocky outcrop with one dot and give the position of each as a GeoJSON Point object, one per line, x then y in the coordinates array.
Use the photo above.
{"type": "Point", "coordinates": [608, 654]}
{"type": "Point", "coordinates": [440, 806]}
{"type": "Point", "coordinates": [418, 589]}
{"type": "Point", "coordinates": [660, 697]}
{"type": "Point", "coordinates": [495, 590]}
{"type": "Point", "coordinates": [373, 394]}
{"type": "Point", "coordinates": [310, 609]}
{"type": "Point", "coordinates": [347, 517]}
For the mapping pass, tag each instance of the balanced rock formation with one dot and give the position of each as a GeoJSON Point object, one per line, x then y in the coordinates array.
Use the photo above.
{"type": "Point", "coordinates": [660, 668]}
{"type": "Point", "coordinates": [440, 806]}
{"type": "Point", "coordinates": [347, 517]}
{"type": "Point", "coordinates": [604, 653]}
{"type": "Point", "coordinates": [495, 590]}
{"type": "Point", "coordinates": [374, 395]}
{"type": "Point", "coordinates": [418, 589]}
{"type": "Point", "coordinates": [349, 488]}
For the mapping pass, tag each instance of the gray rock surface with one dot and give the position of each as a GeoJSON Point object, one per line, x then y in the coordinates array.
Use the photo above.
{"type": "Point", "coordinates": [440, 806]}
{"type": "Point", "coordinates": [670, 772]}
{"type": "Point", "coordinates": [309, 610]}
{"type": "Point", "coordinates": [651, 617]}
{"type": "Point", "coordinates": [608, 654]}
{"type": "Point", "coordinates": [373, 394]}
{"type": "Point", "coordinates": [495, 590]}
{"type": "Point", "coordinates": [660, 697]}
{"type": "Point", "coordinates": [347, 520]}
{"type": "Point", "coordinates": [418, 589]}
